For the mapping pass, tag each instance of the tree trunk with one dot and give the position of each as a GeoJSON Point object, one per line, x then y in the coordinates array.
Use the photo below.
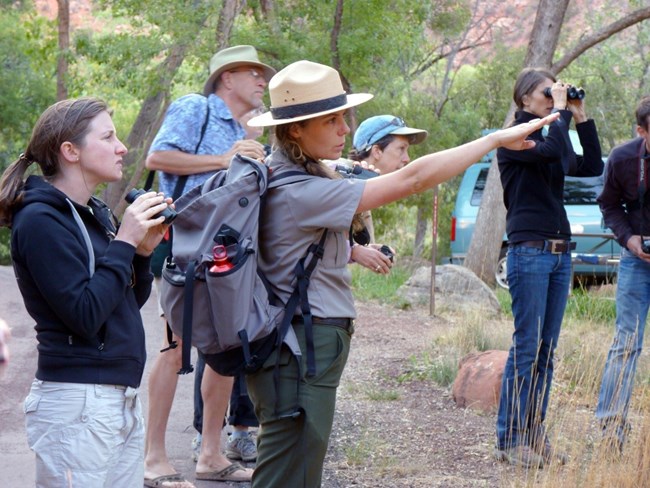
{"type": "Point", "coordinates": [144, 130]}
{"type": "Point", "coordinates": [487, 238]}
{"type": "Point", "coordinates": [229, 11]}
{"type": "Point", "coordinates": [154, 107]}
{"type": "Point", "coordinates": [64, 47]}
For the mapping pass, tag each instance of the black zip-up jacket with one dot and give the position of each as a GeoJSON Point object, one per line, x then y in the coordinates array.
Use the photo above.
{"type": "Point", "coordinates": [619, 200]}
{"type": "Point", "coordinates": [533, 180]}
{"type": "Point", "coordinates": [89, 329]}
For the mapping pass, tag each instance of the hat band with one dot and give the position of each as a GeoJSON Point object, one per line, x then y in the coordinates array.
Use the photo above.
{"type": "Point", "coordinates": [309, 108]}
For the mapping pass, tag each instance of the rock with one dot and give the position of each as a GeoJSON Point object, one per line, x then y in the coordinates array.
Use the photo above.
{"type": "Point", "coordinates": [478, 382]}
{"type": "Point", "coordinates": [456, 287]}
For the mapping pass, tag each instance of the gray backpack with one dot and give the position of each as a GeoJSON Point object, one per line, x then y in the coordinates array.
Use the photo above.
{"type": "Point", "coordinates": [212, 292]}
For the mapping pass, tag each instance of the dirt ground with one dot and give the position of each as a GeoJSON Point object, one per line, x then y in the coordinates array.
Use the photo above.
{"type": "Point", "coordinates": [386, 433]}
{"type": "Point", "coordinates": [389, 433]}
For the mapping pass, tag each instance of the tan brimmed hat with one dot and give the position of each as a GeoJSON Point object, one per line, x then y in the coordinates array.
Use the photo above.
{"type": "Point", "coordinates": [304, 90]}
{"type": "Point", "coordinates": [231, 58]}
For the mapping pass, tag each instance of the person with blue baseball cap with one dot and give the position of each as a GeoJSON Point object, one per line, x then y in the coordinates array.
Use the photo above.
{"type": "Point", "coordinates": [383, 142]}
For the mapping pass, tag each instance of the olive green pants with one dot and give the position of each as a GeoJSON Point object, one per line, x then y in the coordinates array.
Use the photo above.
{"type": "Point", "coordinates": [291, 448]}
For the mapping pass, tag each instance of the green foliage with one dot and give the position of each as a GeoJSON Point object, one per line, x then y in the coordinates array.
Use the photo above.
{"type": "Point", "coordinates": [26, 60]}
{"type": "Point", "coordinates": [485, 90]}
{"type": "Point", "coordinates": [5, 251]}
{"type": "Point", "coordinates": [368, 285]}
{"type": "Point", "coordinates": [588, 306]}
{"type": "Point", "coordinates": [441, 369]}
{"type": "Point", "coordinates": [384, 48]}
{"type": "Point", "coordinates": [379, 394]}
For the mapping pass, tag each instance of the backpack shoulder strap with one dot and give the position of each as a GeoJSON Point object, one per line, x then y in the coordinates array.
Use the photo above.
{"type": "Point", "coordinates": [288, 177]}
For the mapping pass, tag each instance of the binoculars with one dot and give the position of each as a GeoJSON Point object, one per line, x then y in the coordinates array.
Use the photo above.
{"type": "Point", "coordinates": [355, 171]}
{"type": "Point", "coordinates": [169, 213]}
{"type": "Point", "coordinates": [572, 93]}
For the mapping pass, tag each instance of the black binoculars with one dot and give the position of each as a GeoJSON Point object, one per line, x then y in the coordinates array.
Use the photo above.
{"type": "Point", "coordinates": [169, 213]}
{"type": "Point", "coordinates": [355, 171]}
{"type": "Point", "coordinates": [572, 93]}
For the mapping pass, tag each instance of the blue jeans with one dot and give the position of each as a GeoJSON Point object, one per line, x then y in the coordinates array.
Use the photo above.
{"type": "Point", "coordinates": [539, 286]}
{"type": "Point", "coordinates": [632, 299]}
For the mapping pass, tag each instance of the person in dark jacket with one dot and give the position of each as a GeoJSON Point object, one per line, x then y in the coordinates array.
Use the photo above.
{"type": "Point", "coordinates": [83, 279]}
{"type": "Point", "coordinates": [539, 258]}
{"type": "Point", "coordinates": [626, 212]}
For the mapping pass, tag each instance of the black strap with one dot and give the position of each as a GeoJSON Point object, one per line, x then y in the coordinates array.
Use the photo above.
{"type": "Point", "coordinates": [188, 315]}
{"type": "Point", "coordinates": [642, 182]}
{"type": "Point", "coordinates": [170, 338]}
{"type": "Point", "coordinates": [300, 297]}
{"type": "Point", "coordinates": [317, 251]}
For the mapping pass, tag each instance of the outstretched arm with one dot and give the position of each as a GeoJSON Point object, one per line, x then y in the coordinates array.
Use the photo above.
{"type": "Point", "coordinates": [432, 169]}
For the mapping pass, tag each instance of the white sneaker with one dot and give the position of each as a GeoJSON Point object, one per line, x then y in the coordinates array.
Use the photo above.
{"type": "Point", "coordinates": [196, 448]}
{"type": "Point", "coordinates": [242, 448]}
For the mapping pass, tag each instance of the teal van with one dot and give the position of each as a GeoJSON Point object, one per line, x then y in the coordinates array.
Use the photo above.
{"type": "Point", "coordinates": [597, 252]}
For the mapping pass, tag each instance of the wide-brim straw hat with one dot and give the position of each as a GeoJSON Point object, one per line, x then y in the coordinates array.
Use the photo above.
{"type": "Point", "coordinates": [231, 58]}
{"type": "Point", "coordinates": [304, 90]}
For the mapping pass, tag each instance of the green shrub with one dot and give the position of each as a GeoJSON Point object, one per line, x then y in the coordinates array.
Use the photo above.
{"type": "Point", "coordinates": [368, 285]}
{"type": "Point", "coordinates": [441, 369]}
{"type": "Point", "coordinates": [5, 252]}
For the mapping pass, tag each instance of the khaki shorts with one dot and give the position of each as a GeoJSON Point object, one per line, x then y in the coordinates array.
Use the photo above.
{"type": "Point", "coordinates": [85, 434]}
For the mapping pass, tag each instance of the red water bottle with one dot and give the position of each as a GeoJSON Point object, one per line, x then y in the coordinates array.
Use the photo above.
{"type": "Point", "coordinates": [221, 262]}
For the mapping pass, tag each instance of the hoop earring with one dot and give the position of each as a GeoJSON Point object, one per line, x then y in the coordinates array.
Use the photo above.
{"type": "Point", "coordinates": [300, 157]}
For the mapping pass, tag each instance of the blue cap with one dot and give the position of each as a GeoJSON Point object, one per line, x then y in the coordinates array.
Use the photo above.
{"type": "Point", "coordinates": [373, 129]}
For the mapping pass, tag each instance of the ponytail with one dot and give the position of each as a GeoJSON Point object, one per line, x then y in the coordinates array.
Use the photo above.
{"type": "Point", "coordinates": [11, 186]}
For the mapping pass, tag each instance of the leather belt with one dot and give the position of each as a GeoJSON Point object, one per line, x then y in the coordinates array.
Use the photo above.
{"type": "Point", "coordinates": [554, 246]}
{"type": "Point", "coordinates": [342, 322]}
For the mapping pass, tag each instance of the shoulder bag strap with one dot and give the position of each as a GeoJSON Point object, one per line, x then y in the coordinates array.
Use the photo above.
{"type": "Point", "coordinates": [180, 183]}
{"type": "Point", "coordinates": [84, 232]}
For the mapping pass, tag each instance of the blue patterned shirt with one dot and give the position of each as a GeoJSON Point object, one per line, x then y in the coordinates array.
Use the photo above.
{"type": "Point", "coordinates": [181, 131]}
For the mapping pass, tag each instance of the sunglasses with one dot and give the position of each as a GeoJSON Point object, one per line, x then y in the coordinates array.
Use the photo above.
{"type": "Point", "coordinates": [396, 121]}
{"type": "Point", "coordinates": [251, 71]}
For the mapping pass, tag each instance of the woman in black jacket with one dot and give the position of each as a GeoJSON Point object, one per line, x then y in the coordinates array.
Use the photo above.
{"type": "Point", "coordinates": [83, 280]}
{"type": "Point", "coordinates": [539, 258]}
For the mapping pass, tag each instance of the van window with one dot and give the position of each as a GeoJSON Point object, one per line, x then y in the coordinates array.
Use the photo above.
{"type": "Point", "coordinates": [582, 191]}
{"type": "Point", "coordinates": [577, 191]}
{"type": "Point", "coordinates": [477, 193]}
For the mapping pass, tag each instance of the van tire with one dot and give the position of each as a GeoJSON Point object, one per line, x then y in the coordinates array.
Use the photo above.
{"type": "Point", "coordinates": [501, 272]}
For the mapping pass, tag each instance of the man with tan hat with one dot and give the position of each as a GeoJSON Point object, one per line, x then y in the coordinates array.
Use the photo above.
{"type": "Point", "coordinates": [199, 136]}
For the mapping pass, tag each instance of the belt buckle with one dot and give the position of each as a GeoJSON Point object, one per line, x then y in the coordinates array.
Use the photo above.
{"type": "Point", "coordinates": [558, 246]}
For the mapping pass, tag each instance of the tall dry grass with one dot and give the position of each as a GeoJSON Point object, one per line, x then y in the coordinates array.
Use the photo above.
{"type": "Point", "coordinates": [586, 336]}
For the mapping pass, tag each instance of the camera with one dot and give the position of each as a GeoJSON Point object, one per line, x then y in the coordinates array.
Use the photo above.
{"type": "Point", "coordinates": [645, 246]}
{"type": "Point", "coordinates": [267, 150]}
{"type": "Point", "coordinates": [387, 252]}
{"type": "Point", "coordinates": [169, 213]}
{"type": "Point", "coordinates": [572, 93]}
{"type": "Point", "coordinates": [355, 171]}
